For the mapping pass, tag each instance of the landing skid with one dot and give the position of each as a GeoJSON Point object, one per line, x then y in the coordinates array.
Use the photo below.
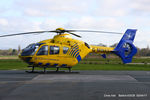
{"type": "Point", "coordinates": [44, 69]}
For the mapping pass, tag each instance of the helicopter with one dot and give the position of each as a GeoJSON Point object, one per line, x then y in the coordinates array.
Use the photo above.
{"type": "Point", "coordinates": [62, 51]}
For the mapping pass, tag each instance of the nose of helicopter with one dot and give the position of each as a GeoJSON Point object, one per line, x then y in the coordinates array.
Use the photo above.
{"type": "Point", "coordinates": [26, 59]}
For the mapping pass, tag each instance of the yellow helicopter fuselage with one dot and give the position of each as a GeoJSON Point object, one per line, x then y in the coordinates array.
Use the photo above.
{"type": "Point", "coordinates": [62, 51]}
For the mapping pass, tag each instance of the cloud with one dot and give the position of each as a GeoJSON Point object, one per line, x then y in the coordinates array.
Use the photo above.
{"type": "Point", "coordinates": [52, 7]}
{"type": "Point", "coordinates": [107, 15]}
{"type": "Point", "coordinates": [3, 22]}
{"type": "Point", "coordinates": [50, 24]}
{"type": "Point", "coordinates": [112, 8]}
{"type": "Point", "coordinates": [12, 26]}
{"type": "Point", "coordinates": [141, 7]}
{"type": "Point", "coordinates": [89, 22]}
{"type": "Point", "coordinates": [123, 8]}
{"type": "Point", "coordinates": [16, 25]}
{"type": "Point", "coordinates": [103, 24]}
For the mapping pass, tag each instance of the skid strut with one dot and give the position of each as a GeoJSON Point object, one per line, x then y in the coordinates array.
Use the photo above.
{"type": "Point", "coordinates": [69, 68]}
{"type": "Point", "coordinates": [44, 69]}
{"type": "Point", "coordinates": [32, 69]}
{"type": "Point", "coordinates": [57, 69]}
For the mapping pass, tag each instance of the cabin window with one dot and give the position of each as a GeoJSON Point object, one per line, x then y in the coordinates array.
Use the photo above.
{"type": "Point", "coordinates": [43, 50]}
{"type": "Point", "coordinates": [54, 50]}
{"type": "Point", "coordinates": [65, 50]}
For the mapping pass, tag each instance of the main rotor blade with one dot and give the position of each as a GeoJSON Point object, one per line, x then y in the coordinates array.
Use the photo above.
{"type": "Point", "coordinates": [75, 35]}
{"type": "Point", "coordinates": [94, 31]}
{"type": "Point", "coordinates": [39, 32]}
{"type": "Point", "coordinates": [60, 31]}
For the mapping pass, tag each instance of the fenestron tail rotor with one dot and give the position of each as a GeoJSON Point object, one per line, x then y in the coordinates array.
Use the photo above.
{"type": "Point", "coordinates": [60, 31]}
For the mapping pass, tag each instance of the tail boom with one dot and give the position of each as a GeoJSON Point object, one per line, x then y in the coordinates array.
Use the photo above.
{"type": "Point", "coordinates": [101, 49]}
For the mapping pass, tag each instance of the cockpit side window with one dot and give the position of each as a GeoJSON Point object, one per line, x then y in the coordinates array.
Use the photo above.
{"type": "Point", "coordinates": [54, 50]}
{"type": "Point", "coordinates": [31, 49]}
{"type": "Point", "coordinates": [65, 50]}
{"type": "Point", "coordinates": [43, 50]}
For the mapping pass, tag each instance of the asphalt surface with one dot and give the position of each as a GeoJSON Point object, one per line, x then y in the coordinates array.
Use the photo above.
{"type": "Point", "coordinates": [79, 85]}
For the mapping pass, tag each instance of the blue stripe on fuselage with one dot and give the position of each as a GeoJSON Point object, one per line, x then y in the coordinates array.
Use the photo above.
{"type": "Point", "coordinates": [79, 58]}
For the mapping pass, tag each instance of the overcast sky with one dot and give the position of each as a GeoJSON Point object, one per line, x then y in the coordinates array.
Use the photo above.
{"type": "Point", "coordinates": [107, 15]}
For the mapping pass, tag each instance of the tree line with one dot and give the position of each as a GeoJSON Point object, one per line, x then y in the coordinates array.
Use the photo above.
{"type": "Point", "coordinates": [9, 52]}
